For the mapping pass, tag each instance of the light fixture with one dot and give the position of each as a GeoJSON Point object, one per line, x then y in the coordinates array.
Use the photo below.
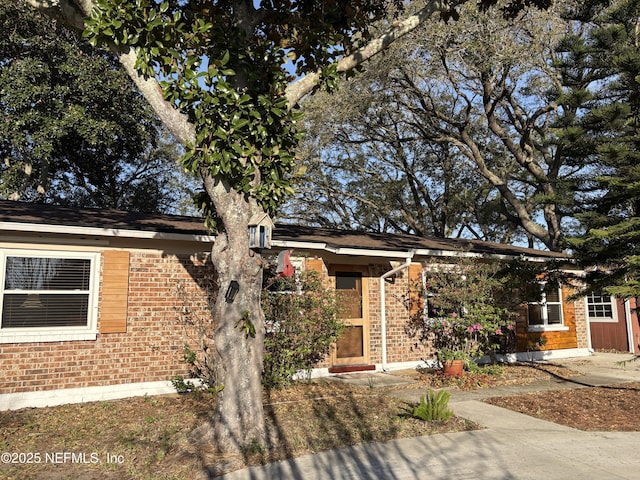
{"type": "Point", "coordinates": [232, 291]}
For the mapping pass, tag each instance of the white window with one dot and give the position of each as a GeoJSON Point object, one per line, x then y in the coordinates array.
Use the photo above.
{"type": "Point", "coordinates": [601, 308]}
{"type": "Point", "coordinates": [547, 313]}
{"type": "Point", "coordinates": [48, 296]}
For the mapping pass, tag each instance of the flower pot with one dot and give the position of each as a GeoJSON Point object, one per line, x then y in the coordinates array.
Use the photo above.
{"type": "Point", "coordinates": [453, 368]}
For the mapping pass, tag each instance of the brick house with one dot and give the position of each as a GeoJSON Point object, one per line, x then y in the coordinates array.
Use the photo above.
{"type": "Point", "coordinates": [95, 302]}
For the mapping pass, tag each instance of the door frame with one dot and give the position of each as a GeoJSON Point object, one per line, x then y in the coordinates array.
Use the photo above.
{"type": "Point", "coordinates": [363, 322]}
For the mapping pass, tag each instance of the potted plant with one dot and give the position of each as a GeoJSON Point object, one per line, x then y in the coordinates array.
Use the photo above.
{"type": "Point", "coordinates": [452, 361]}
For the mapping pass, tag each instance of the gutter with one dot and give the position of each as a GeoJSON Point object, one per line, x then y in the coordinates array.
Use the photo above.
{"type": "Point", "coordinates": [383, 309]}
{"type": "Point", "coordinates": [589, 341]}
{"type": "Point", "coordinates": [427, 252]}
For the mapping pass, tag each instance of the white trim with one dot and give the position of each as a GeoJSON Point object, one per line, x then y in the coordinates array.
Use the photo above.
{"type": "Point", "coordinates": [371, 253]}
{"type": "Point", "coordinates": [22, 336]}
{"type": "Point", "coordinates": [143, 234]}
{"type": "Point", "coordinates": [60, 242]}
{"type": "Point", "coordinates": [433, 363]}
{"type": "Point", "coordinates": [315, 373]}
{"type": "Point", "coordinates": [50, 398]}
{"type": "Point", "coordinates": [298, 245]}
{"type": "Point", "coordinates": [614, 311]}
{"type": "Point", "coordinates": [627, 320]}
{"type": "Point", "coordinates": [547, 328]}
{"type": "Point", "coordinates": [103, 232]}
{"type": "Point", "coordinates": [404, 254]}
{"type": "Point", "coordinates": [496, 256]}
{"type": "Point", "coordinates": [540, 355]}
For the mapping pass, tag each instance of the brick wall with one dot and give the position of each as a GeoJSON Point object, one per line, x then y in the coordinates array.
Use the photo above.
{"type": "Point", "coordinates": [403, 340]}
{"type": "Point", "coordinates": [581, 325]}
{"type": "Point", "coordinates": [150, 350]}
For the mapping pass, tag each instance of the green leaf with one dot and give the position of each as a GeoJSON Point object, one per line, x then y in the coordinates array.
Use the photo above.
{"type": "Point", "coordinates": [239, 123]}
{"type": "Point", "coordinates": [225, 58]}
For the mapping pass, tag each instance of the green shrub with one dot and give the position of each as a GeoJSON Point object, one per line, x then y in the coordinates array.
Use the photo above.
{"type": "Point", "coordinates": [494, 370]}
{"type": "Point", "coordinates": [433, 407]}
{"type": "Point", "coordinates": [301, 324]}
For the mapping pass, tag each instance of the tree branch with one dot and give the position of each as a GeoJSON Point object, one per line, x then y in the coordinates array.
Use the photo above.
{"type": "Point", "coordinates": [296, 91]}
{"type": "Point", "coordinates": [72, 13]}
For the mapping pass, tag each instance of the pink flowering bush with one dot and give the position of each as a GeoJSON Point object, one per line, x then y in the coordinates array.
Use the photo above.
{"type": "Point", "coordinates": [463, 315]}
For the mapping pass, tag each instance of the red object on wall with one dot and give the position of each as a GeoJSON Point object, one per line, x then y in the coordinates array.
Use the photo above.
{"type": "Point", "coordinates": [285, 268]}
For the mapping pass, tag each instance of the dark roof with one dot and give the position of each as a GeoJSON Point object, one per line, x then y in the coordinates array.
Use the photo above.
{"type": "Point", "coordinates": [40, 214]}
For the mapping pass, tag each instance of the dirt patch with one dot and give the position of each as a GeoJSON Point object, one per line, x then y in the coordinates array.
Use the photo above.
{"type": "Point", "coordinates": [606, 409]}
{"type": "Point", "coordinates": [490, 376]}
{"type": "Point", "coordinates": [146, 438]}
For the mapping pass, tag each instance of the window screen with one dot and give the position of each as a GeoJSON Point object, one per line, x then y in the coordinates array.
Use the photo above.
{"type": "Point", "coordinates": [350, 286]}
{"type": "Point", "coordinates": [45, 292]}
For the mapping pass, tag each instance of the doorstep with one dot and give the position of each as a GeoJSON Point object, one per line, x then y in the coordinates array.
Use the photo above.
{"type": "Point", "coordinates": [351, 368]}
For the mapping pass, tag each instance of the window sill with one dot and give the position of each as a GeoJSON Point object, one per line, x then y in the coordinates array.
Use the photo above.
{"type": "Point", "coordinates": [547, 328]}
{"type": "Point", "coordinates": [37, 337]}
{"type": "Point", "coordinates": [603, 320]}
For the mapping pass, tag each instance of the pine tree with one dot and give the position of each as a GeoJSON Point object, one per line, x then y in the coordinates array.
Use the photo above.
{"type": "Point", "coordinates": [612, 128]}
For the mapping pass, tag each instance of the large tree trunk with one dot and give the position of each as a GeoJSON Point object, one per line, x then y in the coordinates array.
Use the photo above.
{"type": "Point", "coordinates": [238, 419]}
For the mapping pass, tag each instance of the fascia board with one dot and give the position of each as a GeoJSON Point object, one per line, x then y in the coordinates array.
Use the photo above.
{"type": "Point", "coordinates": [370, 253]}
{"type": "Point", "coordinates": [298, 245]}
{"type": "Point", "coordinates": [103, 232]}
{"type": "Point", "coordinates": [365, 252]}
{"type": "Point", "coordinates": [494, 256]}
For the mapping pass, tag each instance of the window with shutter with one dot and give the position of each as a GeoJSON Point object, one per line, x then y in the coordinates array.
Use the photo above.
{"type": "Point", "coordinates": [47, 296]}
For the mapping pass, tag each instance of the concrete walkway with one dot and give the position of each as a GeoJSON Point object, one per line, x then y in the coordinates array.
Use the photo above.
{"type": "Point", "coordinates": [511, 447]}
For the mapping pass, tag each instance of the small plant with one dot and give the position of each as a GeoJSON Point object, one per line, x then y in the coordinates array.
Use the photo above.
{"type": "Point", "coordinates": [254, 448]}
{"type": "Point", "coordinates": [536, 345]}
{"type": "Point", "coordinates": [433, 407]}
{"type": "Point", "coordinates": [623, 363]}
{"type": "Point", "coordinates": [183, 386]}
{"type": "Point", "coordinates": [247, 325]}
{"type": "Point", "coordinates": [199, 350]}
{"type": "Point", "coordinates": [447, 354]}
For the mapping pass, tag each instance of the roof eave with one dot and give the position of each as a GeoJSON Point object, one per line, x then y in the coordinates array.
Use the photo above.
{"type": "Point", "coordinates": [103, 232]}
